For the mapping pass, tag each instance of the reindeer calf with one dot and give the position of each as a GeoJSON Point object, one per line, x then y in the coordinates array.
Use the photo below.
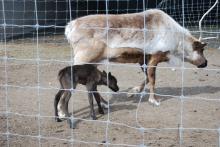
{"type": "Point", "coordinates": [87, 75]}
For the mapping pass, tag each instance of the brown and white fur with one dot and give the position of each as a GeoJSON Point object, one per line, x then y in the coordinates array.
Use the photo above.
{"type": "Point", "coordinates": [121, 38]}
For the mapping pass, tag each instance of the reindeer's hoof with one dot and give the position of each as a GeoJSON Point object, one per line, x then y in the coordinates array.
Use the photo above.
{"type": "Point", "coordinates": [154, 102]}
{"type": "Point", "coordinates": [101, 111]}
{"type": "Point", "coordinates": [57, 119]}
{"type": "Point", "coordinates": [72, 123]}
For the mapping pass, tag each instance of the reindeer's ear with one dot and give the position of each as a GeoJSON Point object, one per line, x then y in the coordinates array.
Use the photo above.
{"type": "Point", "coordinates": [109, 74]}
{"type": "Point", "coordinates": [104, 72]}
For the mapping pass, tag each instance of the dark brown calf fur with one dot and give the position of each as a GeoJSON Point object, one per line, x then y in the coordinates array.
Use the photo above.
{"type": "Point", "coordinates": [87, 75]}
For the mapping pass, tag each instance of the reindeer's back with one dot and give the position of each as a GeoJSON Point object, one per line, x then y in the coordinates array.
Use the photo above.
{"type": "Point", "coordinates": [80, 73]}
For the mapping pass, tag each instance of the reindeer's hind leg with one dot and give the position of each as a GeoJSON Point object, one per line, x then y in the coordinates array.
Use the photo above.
{"type": "Point", "coordinates": [141, 87]}
{"type": "Point", "coordinates": [56, 101]}
{"type": "Point", "coordinates": [62, 110]}
{"type": "Point", "coordinates": [144, 83]}
{"type": "Point", "coordinates": [71, 121]}
{"type": "Point", "coordinates": [66, 101]}
{"type": "Point", "coordinates": [65, 81]}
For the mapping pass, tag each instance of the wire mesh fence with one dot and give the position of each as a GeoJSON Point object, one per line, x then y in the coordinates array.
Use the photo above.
{"type": "Point", "coordinates": [33, 49]}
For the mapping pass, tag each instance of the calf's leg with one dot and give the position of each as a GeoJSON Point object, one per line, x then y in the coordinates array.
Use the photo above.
{"type": "Point", "coordinates": [104, 103]}
{"type": "Point", "coordinates": [90, 87]}
{"type": "Point", "coordinates": [98, 100]}
{"type": "Point", "coordinates": [62, 110]}
{"type": "Point", "coordinates": [56, 101]}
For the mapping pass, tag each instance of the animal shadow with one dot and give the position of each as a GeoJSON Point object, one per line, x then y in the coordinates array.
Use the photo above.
{"type": "Point", "coordinates": [168, 92]}
{"type": "Point", "coordinates": [121, 100]}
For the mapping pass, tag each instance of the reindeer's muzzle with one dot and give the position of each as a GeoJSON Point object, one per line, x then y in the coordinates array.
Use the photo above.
{"type": "Point", "coordinates": [203, 65]}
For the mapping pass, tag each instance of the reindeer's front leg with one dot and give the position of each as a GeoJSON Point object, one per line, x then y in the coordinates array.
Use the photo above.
{"type": "Point", "coordinates": [151, 77]}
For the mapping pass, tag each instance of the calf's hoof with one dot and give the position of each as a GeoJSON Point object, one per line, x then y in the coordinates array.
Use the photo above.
{"type": "Point", "coordinates": [101, 111]}
{"type": "Point", "coordinates": [154, 102]}
{"type": "Point", "coordinates": [105, 106]}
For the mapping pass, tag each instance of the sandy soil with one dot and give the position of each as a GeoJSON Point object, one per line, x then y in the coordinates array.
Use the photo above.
{"type": "Point", "coordinates": [200, 109]}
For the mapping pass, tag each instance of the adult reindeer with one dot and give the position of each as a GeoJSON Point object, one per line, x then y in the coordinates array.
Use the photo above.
{"type": "Point", "coordinates": [131, 36]}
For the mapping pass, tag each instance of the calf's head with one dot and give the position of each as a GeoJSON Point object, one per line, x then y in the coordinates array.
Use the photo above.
{"type": "Point", "coordinates": [110, 81]}
{"type": "Point", "coordinates": [196, 56]}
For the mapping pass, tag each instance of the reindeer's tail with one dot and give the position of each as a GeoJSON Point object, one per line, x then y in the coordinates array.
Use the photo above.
{"type": "Point", "coordinates": [61, 73]}
{"type": "Point", "coordinates": [70, 27]}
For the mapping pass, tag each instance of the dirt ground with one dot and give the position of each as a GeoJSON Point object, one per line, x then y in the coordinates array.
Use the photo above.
{"type": "Point", "coordinates": [32, 85]}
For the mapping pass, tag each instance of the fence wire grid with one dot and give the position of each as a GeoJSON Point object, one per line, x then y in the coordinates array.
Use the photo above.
{"type": "Point", "coordinates": [33, 49]}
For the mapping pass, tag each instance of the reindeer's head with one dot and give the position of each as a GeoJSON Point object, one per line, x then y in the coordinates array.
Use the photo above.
{"type": "Point", "coordinates": [111, 82]}
{"type": "Point", "coordinates": [196, 56]}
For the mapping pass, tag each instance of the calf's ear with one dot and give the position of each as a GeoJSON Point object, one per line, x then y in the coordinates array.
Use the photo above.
{"type": "Point", "coordinates": [199, 44]}
{"type": "Point", "coordinates": [203, 44]}
{"type": "Point", "coordinates": [104, 72]}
